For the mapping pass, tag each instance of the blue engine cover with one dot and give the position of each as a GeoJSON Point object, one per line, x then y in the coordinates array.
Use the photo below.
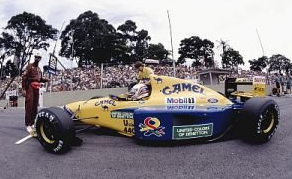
{"type": "Point", "coordinates": [181, 122]}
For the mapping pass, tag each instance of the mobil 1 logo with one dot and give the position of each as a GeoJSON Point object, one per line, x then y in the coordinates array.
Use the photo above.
{"type": "Point", "coordinates": [180, 100]}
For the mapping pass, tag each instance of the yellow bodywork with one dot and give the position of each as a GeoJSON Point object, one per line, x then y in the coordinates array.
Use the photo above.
{"type": "Point", "coordinates": [118, 115]}
{"type": "Point", "coordinates": [259, 87]}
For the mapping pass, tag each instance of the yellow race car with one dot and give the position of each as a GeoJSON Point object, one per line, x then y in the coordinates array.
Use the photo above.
{"type": "Point", "coordinates": [169, 109]}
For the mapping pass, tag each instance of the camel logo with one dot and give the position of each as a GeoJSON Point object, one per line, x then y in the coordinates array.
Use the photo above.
{"type": "Point", "coordinates": [158, 80]}
{"type": "Point", "coordinates": [152, 126]}
{"type": "Point", "coordinates": [105, 102]}
{"type": "Point", "coordinates": [104, 107]}
{"type": "Point", "coordinates": [182, 87]}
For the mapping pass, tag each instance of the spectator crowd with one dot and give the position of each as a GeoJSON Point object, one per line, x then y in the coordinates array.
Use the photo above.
{"type": "Point", "coordinates": [115, 76]}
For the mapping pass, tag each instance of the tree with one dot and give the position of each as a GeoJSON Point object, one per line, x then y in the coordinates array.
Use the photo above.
{"type": "Point", "coordinates": [259, 64]}
{"type": "Point", "coordinates": [136, 41]}
{"type": "Point", "coordinates": [127, 36]}
{"type": "Point", "coordinates": [231, 59]}
{"type": "Point", "coordinates": [128, 31]}
{"type": "Point", "coordinates": [224, 45]}
{"type": "Point", "coordinates": [24, 33]}
{"type": "Point", "coordinates": [10, 69]}
{"type": "Point", "coordinates": [157, 52]}
{"type": "Point", "coordinates": [27, 32]}
{"type": "Point", "coordinates": [6, 48]}
{"type": "Point", "coordinates": [91, 39]}
{"type": "Point", "coordinates": [208, 53]}
{"type": "Point", "coordinates": [279, 63]}
{"type": "Point", "coordinates": [141, 48]}
{"type": "Point", "coordinates": [201, 51]}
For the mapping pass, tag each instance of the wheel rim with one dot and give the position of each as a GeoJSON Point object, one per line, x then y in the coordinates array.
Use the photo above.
{"type": "Point", "coordinates": [47, 132]}
{"type": "Point", "coordinates": [268, 121]}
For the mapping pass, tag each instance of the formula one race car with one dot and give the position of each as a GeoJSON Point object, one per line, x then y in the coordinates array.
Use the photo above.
{"type": "Point", "coordinates": [173, 110]}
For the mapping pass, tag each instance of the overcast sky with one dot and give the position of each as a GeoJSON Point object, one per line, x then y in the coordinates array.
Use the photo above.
{"type": "Point", "coordinates": [235, 21]}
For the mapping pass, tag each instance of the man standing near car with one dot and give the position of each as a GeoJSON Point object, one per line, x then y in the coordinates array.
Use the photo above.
{"type": "Point", "coordinates": [31, 80]}
{"type": "Point", "coordinates": [277, 81]}
{"type": "Point", "coordinates": [144, 73]}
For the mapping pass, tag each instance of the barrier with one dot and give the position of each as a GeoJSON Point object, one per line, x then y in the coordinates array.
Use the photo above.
{"type": "Point", "coordinates": [65, 97]}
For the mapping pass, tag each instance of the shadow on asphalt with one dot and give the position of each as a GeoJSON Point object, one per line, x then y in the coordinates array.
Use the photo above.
{"type": "Point", "coordinates": [230, 135]}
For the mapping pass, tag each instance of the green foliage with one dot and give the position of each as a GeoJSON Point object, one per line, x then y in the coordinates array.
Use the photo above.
{"type": "Point", "coordinates": [279, 63]}
{"type": "Point", "coordinates": [27, 32]}
{"type": "Point", "coordinates": [6, 42]}
{"type": "Point", "coordinates": [137, 42]}
{"type": "Point", "coordinates": [127, 38]}
{"type": "Point", "coordinates": [224, 45]}
{"type": "Point", "coordinates": [141, 48]}
{"type": "Point", "coordinates": [231, 59]}
{"type": "Point", "coordinates": [10, 69]}
{"type": "Point", "coordinates": [157, 52]}
{"type": "Point", "coordinates": [201, 51]}
{"type": "Point", "coordinates": [208, 53]}
{"type": "Point", "coordinates": [128, 31]}
{"type": "Point", "coordinates": [259, 64]}
{"type": "Point", "coordinates": [91, 39]}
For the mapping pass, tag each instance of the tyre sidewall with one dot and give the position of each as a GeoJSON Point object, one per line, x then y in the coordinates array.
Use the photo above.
{"type": "Point", "coordinates": [61, 124]}
{"type": "Point", "coordinates": [252, 119]}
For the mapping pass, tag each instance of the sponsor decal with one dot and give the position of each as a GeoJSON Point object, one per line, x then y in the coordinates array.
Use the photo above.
{"type": "Point", "coordinates": [59, 146]}
{"type": "Point", "coordinates": [129, 127]}
{"type": "Point", "coordinates": [192, 131]}
{"type": "Point", "coordinates": [151, 126]}
{"type": "Point", "coordinates": [105, 102]}
{"type": "Point", "coordinates": [248, 79]}
{"type": "Point", "coordinates": [46, 115]}
{"type": "Point", "coordinates": [158, 80]}
{"type": "Point", "coordinates": [212, 108]}
{"type": "Point", "coordinates": [181, 107]}
{"type": "Point", "coordinates": [180, 100]}
{"type": "Point", "coordinates": [259, 80]}
{"type": "Point", "coordinates": [181, 87]}
{"type": "Point", "coordinates": [121, 115]}
{"type": "Point", "coordinates": [213, 100]}
{"type": "Point", "coordinates": [259, 85]}
{"type": "Point", "coordinates": [104, 107]}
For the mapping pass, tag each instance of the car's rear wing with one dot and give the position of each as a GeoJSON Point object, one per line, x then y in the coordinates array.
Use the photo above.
{"type": "Point", "coordinates": [258, 82]}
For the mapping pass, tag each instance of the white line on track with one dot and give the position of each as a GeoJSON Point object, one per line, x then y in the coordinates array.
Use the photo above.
{"type": "Point", "coordinates": [23, 139]}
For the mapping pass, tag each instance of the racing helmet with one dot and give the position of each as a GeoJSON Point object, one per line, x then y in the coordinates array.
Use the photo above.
{"type": "Point", "coordinates": [138, 92]}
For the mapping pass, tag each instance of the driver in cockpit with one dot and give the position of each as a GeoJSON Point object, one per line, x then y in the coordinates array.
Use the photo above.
{"type": "Point", "coordinates": [138, 92]}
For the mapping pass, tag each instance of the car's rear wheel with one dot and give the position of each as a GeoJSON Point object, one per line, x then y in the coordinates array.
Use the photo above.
{"type": "Point", "coordinates": [259, 119]}
{"type": "Point", "coordinates": [55, 129]}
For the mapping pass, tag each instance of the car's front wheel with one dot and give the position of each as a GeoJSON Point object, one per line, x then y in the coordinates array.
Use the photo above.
{"type": "Point", "coordinates": [55, 129]}
{"type": "Point", "coordinates": [259, 119]}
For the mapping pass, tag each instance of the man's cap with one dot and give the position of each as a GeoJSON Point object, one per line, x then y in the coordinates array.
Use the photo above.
{"type": "Point", "coordinates": [138, 64]}
{"type": "Point", "coordinates": [38, 55]}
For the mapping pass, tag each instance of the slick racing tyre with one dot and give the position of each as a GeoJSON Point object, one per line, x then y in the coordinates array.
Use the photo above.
{"type": "Point", "coordinates": [259, 119]}
{"type": "Point", "coordinates": [55, 129]}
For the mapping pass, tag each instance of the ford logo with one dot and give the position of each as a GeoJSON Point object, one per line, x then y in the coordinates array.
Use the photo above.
{"type": "Point", "coordinates": [213, 100]}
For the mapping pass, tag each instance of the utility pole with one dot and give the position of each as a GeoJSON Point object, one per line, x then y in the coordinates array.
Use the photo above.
{"type": "Point", "coordinates": [56, 45]}
{"type": "Point", "coordinates": [268, 66]}
{"type": "Point", "coordinates": [50, 85]}
{"type": "Point", "coordinates": [260, 42]}
{"type": "Point", "coordinates": [170, 32]}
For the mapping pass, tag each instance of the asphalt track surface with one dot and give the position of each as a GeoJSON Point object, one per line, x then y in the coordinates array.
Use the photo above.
{"type": "Point", "coordinates": [103, 155]}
